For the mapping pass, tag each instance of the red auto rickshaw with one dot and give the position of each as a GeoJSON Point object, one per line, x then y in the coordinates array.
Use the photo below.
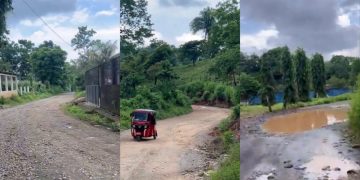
{"type": "Point", "coordinates": [143, 124]}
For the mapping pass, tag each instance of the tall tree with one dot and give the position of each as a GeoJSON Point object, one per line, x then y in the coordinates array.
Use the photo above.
{"type": "Point", "coordinates": [288, 77]}
{"type": "Point", "coordinates": [302, 75]}
{"type": "Point", "coordinates": [318, 75]}
{"type": "Point", "coordinates": [5, 6]}
{"type": "Point", "coordinates": [267, 90]}
{"type": "Point", "coordinates": [203, 22]}
{"type": "Point", "coordinates": [190, 51]}
{"type": "Point", "coordinates": [48, 61]}
{"type": "Point", "coordinates": [135, 24]}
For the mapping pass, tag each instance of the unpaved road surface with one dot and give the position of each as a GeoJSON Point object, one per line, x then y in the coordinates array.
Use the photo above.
{"type": "Point", "coordinates": [38, 141]}
{"type": "Point", "coordinates": [174, 152]}
{"type": "Point", "coordinates": [306, 154]}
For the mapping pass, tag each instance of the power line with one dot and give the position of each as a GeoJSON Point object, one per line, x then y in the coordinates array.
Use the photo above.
{"type": "Point", "coordinates": [46, 24]}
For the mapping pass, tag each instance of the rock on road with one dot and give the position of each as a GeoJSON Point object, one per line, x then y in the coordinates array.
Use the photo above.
{"type": "Point", "coordinates": [38, 141]}
{"type": "Point", "coordinates": [168, 156]}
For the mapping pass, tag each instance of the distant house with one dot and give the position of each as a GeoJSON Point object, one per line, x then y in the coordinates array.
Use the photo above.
{"type": "Point", "coordinates": [9, 84]}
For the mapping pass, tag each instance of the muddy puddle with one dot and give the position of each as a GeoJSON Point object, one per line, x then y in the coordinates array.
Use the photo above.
{"type": "Point", "coordinates": [304, 121]}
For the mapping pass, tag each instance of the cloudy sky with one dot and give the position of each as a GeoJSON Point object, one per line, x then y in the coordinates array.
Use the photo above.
{"type": "Point", "coordinates": [171, 18]}
{"type": "Point", "coordinates": [64, 17]}
{"type": "Point", "coordinates": [326, 26]}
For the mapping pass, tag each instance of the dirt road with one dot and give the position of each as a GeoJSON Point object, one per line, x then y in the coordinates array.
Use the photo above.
{"type": "Point", "coordinates": [322, 153]}
{"type": "Point", "coordinates": [38, 141]}
{"type": "Point", "coordinates": [174, 152]}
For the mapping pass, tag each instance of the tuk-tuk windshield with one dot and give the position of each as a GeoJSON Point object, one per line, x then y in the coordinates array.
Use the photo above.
{"type": "Point", "coordinates": [140, 116]}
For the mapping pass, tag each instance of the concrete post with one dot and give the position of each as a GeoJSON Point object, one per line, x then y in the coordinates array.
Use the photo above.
{"type": "Point", "coordinates": [28, 89]}
{"type": "Point", "coordinates": [6, 83]}
{"type": "Point", "coordinates": [0, 83]}
{"type": "Point", "coordinates": [12, 83]}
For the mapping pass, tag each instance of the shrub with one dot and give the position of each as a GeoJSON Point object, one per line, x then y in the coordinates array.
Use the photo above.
{"type": "Point", "coordinates": [337, 82]}
{"type": "Point", "coordinates": [219, 93]}
{"type": "Point", "coordinates": [2, 100]}
{"type": "Point", "coordinates": [354, 114]}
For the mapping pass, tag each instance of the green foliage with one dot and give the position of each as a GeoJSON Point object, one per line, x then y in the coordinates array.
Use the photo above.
{"type": "Point", "coordinates": [249, 86]}
{"type": "Point", "coordinates": [230, 168]}
{"type": "Point", "coordinates": [92, 118]}
{"type": "Point", "coordinates": [80, 94]}
{"type": "Point", "coordinates": [227, 65]}
{"type": "Point", "coordinates": [302, 75]}
{"type": "Point", "coordinates": [204, 22]}
{"type": "Point", "coordinates": [267, 91]}
{"type": "Point", "coordinates": [178, 104]}
{"type": "Point", "coordinates": [135, 23]}
{"type": "Point", "coordinates": [290, 96]}
{"type": "Point", "coordinates": [210, 92]}
{"type": "Point", "coordinates": [354, 114]}
{"type": "Point", "coordinates": [5, 7]}
{"type": "Point", "coordinates": [318, 75]}
{"type": "Point", "coordinates": [190, 52]}
{"type": "Point", "coordinates": [337, 82]}
{"type": "Point", "coordinates": [355, 70]}
{"type": "Point", "coordinates": [48, 62]}
{"type": "Point", "coordinates": [340, 67]}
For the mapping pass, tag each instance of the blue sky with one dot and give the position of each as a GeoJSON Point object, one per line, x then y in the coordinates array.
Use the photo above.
{"type": "Point", "coordinates": [171, 18]}
{"type": "Point", "coordinates": [64, 16]}
{"type": "Point", "coordinates": [326, 26]}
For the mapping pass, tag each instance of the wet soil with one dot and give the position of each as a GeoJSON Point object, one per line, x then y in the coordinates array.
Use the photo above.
{"type": "Point", "coordinates": [38, 141]}
{"type": "Point", "coordinates": [296, 154]}
{"type": "Point", "coordinates": [177, 153]}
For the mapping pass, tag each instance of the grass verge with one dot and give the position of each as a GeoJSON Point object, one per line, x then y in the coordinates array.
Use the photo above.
{"type": "Point", "coordinates": [254, 110]}
{"type": "Point", "coordinates": [91, 117]}
{"type": "Point", "coordinates": [17, 99]}
{"type": "Point", "coordinates": [230, 168]}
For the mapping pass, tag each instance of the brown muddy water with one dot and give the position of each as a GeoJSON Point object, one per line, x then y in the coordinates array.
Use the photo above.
{"type": "Point", "coordinates": [305, 120]}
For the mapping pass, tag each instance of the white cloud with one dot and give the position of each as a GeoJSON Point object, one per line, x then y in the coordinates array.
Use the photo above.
{"type": "Point", "coordinates": [80, 16]}
{"type": "Point", "coordinates": [354, 52]}
{"type": "Point", "coordinates": [259, 40]}
{"type": "Point", "coordinates": [110, 12]}
{"type": "Point", "coordinates": [343, 20]}
{"type": "Point", "coordinates": [186, 37]}
{"type": "Point", "coordinates": [54, 20]}
{"type": "Point", "coordinates": [156, 35]}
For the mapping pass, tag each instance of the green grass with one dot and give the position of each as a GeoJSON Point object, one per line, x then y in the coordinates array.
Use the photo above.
{"type": "Point", "coordinates": [230, 168]}
{"type": "Point", "coordinates": [354, 115]}
{"type": "Point", "coordinates": [254, 110]}
{"type": "Point", "coordinates": [190, 73]}
{"type": "Point", "coordinates": [79, 94]}
{"type": "Point", "coordinates": [93, 118]}
{"type": "Point", "coordinates": [17, 99]}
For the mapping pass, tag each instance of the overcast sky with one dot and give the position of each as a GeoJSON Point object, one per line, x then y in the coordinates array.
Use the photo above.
{"type": "Point", "coordinates": [326, 26]}
{"type": "Point", "coordinates": [64, 16]}
{"type": "Point", "coordinates": [171, 18]}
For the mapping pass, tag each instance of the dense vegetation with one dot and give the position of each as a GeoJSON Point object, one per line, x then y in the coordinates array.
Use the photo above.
{"type": "Point", "coordinates": [229, 169]}
{"type": "Point", "coordinates": [277, 70]}
{"type": "Point", "coordinates": [354, 114]}
{"type": "Point", "coordinates": [168, 79]}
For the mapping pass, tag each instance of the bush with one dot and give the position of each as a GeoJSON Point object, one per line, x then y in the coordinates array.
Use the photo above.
{"type": "Point", "coordinates": [230, 169]}
{"type": "Point", "coordinates": [354, 114]}
{"type": "Point", "coordinates": [219, 93]}
{"type": "Point", "coordinates": [2, 100]}
{"type": "Point", "coordinates": [337, 82]}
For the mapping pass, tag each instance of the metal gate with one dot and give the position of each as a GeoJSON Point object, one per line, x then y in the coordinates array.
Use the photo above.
{"type": "Point", "coordinates": [102, 85]}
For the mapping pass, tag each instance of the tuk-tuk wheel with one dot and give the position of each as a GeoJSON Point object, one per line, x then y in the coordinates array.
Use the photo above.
{"type": "Point", "coordinates": [154, 136]}
{"type": "Point", "coordinates": [138, 138]}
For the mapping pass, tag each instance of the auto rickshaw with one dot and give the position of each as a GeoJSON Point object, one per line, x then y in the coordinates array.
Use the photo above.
{"type": "Point", "coordinates": [143, 124]}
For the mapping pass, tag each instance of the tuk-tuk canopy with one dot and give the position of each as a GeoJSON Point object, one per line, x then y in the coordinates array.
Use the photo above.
{"type": "Point", "coordinates": [145, 110]}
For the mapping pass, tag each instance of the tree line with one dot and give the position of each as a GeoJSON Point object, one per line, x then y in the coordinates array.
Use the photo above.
{"type": "Point", "coordinates": [294, 74]}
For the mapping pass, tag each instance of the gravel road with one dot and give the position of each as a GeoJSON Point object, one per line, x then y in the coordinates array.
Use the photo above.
{"type": "Point", "coordinates": [175, 152]}
{"type": "Point", "coordinates": [38, 141]}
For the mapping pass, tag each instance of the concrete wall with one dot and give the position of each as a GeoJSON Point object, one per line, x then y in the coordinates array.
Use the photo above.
{"type": "Point", "coordinates": [7, 94]}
